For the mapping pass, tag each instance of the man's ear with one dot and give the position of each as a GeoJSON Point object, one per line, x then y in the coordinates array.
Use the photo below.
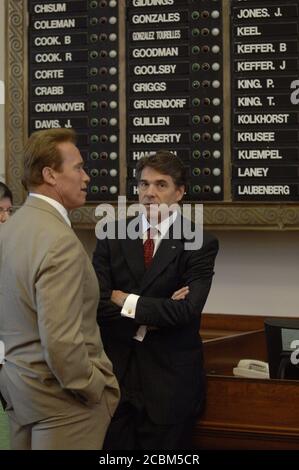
{"type": "Point", "coordinates": [49, 176]}
{"type": "Point", "coordinates": [180, 192]}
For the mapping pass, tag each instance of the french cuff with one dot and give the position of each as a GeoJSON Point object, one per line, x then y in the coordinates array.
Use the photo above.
{"type": "Point", "coordinates": [129, 307]}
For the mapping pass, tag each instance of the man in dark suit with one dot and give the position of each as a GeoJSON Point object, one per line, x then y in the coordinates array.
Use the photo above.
{"type": "Point", "coordinates": [153, 291]}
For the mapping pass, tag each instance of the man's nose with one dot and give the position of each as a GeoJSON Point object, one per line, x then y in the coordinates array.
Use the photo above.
{"type": "Point", "coordinates": [151, 190]}
{"type": "Point", "coordinates": [4, 216]}
{"type": "Point", "coordinates": [86, 178]}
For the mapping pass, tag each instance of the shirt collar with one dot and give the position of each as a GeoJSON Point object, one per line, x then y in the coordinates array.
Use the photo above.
{"type": "Point", "coordinates": [59, 207]}
{"type": "Point", "coordinates": [162, 227]}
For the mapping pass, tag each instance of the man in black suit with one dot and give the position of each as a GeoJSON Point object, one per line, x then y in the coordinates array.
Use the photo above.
{"type": "Point", "coordinates": [153, 291]}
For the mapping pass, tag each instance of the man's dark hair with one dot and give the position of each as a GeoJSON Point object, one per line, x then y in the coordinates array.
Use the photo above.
{"type": "Point", "coordinates": [5, 192]}
{"type": "Point", "coordinates": [166, 163]}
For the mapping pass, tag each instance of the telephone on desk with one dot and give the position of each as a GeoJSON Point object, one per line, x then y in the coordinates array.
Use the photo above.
{"type": "Point", "coordinates": [252, 368]}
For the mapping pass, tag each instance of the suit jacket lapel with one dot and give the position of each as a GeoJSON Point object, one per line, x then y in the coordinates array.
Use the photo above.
{"type": "Point", "coordinates": [133, 253]}
{"type": "Point", "coordinates": [167, 251]}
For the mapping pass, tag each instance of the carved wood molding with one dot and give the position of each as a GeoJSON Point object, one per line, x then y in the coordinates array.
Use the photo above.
{"type": "Point", "coordinates": [84, 217]}
{"type": "Point", "coordinates": [252, 216]}
{"type": "Point", "coordinates": [15, 102]}
{"type": "Point", "coordinates": [223, 216]}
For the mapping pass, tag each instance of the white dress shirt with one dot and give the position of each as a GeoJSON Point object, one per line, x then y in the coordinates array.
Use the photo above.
{"type": "Point", "coordinates": [59, 207]}
{"type": "Point", "coordinates": [160, 230]}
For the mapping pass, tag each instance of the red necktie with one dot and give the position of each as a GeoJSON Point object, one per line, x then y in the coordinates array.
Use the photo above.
{"type": "Point", "coordinates": [148, 250]}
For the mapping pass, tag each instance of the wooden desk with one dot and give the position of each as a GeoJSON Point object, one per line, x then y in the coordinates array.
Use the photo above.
{"type": "Point", "coordinates": [243, 413]}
